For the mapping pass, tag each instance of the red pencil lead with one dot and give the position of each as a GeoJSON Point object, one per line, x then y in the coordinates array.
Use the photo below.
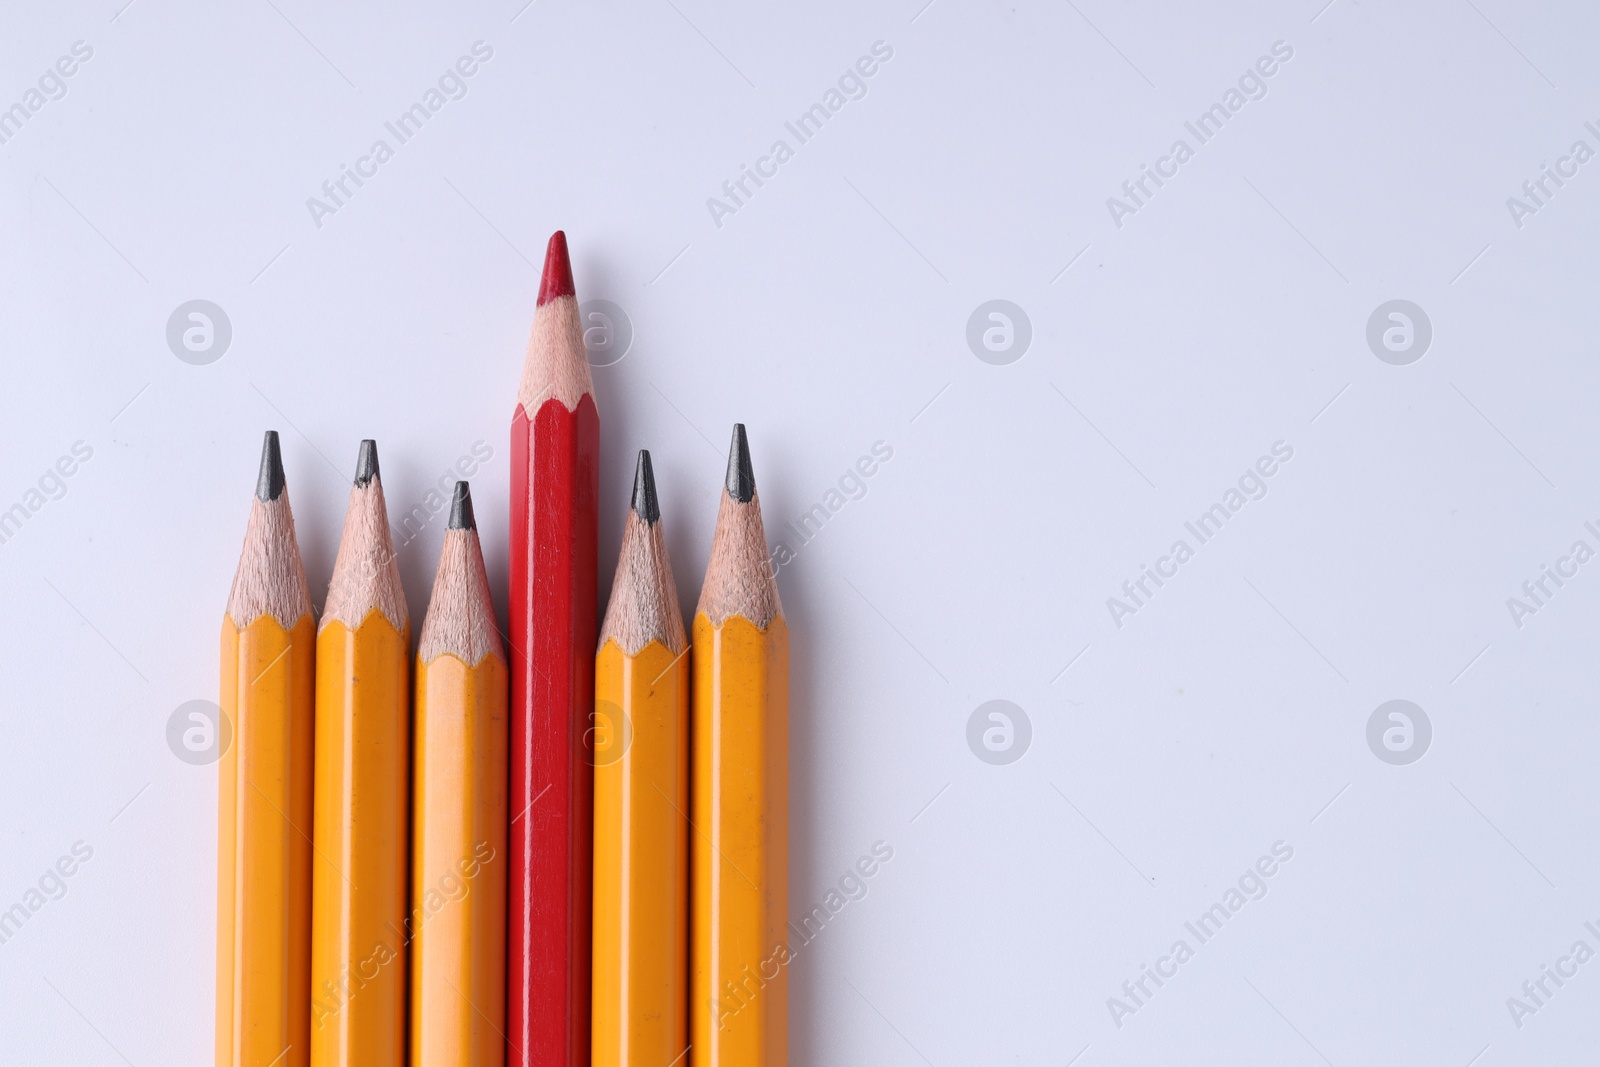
{"type": "Point", "coordinates": [557, 279]}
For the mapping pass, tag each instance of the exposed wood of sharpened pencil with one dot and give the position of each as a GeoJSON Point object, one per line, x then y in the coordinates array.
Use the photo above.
{"type": "Point", "coordinates": [644, 596]}
{"type": "Point", "coordinates": [460, 618]}
{"type": "Point", "coordinates": [739, 578]}
{"type": "Point", "coordinates": [366, 575]}
{"type": "Point", "coordinates": [556, 365]}
{"type": "Point", "coordinates": [270, 579]}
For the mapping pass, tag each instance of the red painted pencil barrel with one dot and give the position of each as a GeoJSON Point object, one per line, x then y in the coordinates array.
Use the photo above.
{"type": "Point", "coordinates": [554, 489]}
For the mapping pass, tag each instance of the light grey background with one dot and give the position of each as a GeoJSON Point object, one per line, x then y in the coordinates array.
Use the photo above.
{"type": "Point", "coordinates": [829, 313]}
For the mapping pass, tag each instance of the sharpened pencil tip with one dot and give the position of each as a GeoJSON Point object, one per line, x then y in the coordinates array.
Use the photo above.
{"type": "Point", "coordinates": [367, 463]}
{"type": "Point", "coordinates": [741, 479]}
{"type": "Point", "coordinates": [557, 279]}
{"type": "Point", "coordinates": [461, 517]}
{"type": "Point", "coordinates": [269, 486]}
{"type": "Point", "coordinates": [645, 504]}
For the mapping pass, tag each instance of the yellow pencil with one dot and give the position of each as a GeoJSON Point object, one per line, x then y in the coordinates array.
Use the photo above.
{"type": "Point", "coordinates": [358, 904]}
{"type": "Point", "coordinates": [264, 814]}
{"type": "Point", "coordinates": [740, 851]}
{"type": "Point", "coordinates": [641, 800]}
{"type": "Point", "coordinates": [458, 864]}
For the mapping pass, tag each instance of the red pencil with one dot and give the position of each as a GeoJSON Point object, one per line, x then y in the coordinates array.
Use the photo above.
{"type": "Point", "coordinates": [555, 449]}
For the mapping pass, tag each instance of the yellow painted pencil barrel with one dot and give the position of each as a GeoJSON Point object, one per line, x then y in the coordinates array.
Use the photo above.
{"type": "Point", "coordinates": [359, 879]}
{"type": "Point", "coordinates": [740, 849]}
{"type": "Point", "coordinates": [358, 943]}
{"type": "Point", "coordinates": [741, 866]}
{"type": "Point", "coordinates": [640, 1007]}
{"type": "Point", "coordinates": [458, 863]}
{"type": "Point", "coordinates": [264, 809]}
{"type": "Point", "coordinates": [264, 852]}
{"type": "Point", "coordinates": [641, 856]}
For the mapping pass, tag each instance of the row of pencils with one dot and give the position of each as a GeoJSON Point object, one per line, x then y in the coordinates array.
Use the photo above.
{"type": "Point", "coordinates": [566, 847]}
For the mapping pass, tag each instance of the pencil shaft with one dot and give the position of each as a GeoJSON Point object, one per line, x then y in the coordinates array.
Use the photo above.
{"type": "Point", "coordinates": [458, 867]}
{"type": "Point", "coordinates": [740, 850]}
{"type": "Point", "coordinates": [264, 844]}
{"type": "Point", "coordinates": [641, 857]}
{"type": "Point", "coordinates": [359, 933]}
{"type": "Point", "coordinates": [554, 485]}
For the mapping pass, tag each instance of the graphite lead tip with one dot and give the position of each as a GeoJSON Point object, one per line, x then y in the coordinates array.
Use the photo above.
{"type": "Point", "coordinates": [269, 486]}
{"type": "Point", "coordinates": [367, 463]}
{"type": "Point", "coordinates": [461, 517]}
{"type": "Point", "coordinates": [740, 577]}
{"type": "Point", "coordinates": [741, 481]}
{"type": "Point", "coordinates": [645, 504]}
{"type": "Point", "coordinates": [557, 278]}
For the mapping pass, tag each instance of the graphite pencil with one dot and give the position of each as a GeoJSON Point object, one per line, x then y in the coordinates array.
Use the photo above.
{"type": "Point", "coordinates": [358, 907]}
{"type": "Point", "coordinates": [458, 866]}
{"type": "Point", "coordinates": [264, 810]}
{"type": "Point", "coordinates": [739, 954]}
{"type": "Point", "coordinates": [641, 802]}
